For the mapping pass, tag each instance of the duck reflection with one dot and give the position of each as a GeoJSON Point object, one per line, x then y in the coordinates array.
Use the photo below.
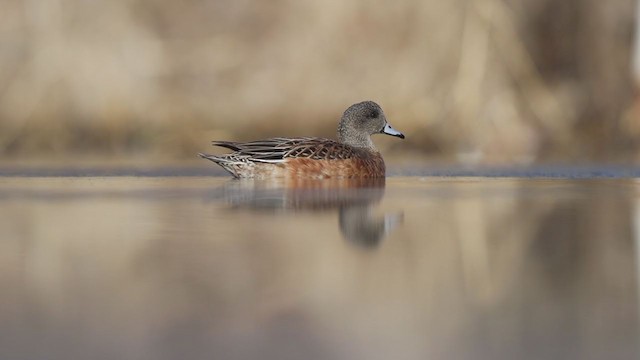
{"type": "Point", "coordinates": [354, 199]}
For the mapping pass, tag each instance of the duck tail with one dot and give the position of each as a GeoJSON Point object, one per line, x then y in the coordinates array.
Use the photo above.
{"type": "Point", "coordinates": [214, 158]}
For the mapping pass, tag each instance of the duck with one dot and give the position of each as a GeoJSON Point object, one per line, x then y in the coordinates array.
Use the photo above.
{"type": "Point", "coordinates": [352, 155]}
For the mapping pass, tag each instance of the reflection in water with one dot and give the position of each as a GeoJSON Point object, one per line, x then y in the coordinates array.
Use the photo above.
{"type": "Point", "coordinates": [192, 268]}
{"type": "Point", "coordinates": [360, 226]}
{"type": "Point", "coordinates": [354, 200]}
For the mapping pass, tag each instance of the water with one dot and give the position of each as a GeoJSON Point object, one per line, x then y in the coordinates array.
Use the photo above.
{"type": "Point", "coordinates": [414, 268]}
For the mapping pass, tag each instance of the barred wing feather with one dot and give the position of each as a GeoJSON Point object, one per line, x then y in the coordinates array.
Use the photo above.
{"type": "Point", "coordinates": [278, 149]}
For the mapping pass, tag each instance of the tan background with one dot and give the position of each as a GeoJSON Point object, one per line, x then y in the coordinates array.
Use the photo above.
{"type": "Point", "coordinates": [481, 81]}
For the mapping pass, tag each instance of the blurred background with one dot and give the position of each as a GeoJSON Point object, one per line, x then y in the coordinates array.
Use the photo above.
{"type": "Point", "coordinates": [475, 81]}
{"type": "Point", "coordinates": [149, 267]}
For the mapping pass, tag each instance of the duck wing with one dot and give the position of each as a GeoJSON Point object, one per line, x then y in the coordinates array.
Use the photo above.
{"type": "Point", "coordinates": [279, 149]}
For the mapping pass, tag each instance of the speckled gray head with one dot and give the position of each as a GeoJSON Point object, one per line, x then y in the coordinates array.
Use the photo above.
{"type": "Point", "coordinates": [362, 120]}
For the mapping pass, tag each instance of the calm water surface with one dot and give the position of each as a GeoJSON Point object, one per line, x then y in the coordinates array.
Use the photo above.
{"type": "Point", "coordinates": [414, 268]}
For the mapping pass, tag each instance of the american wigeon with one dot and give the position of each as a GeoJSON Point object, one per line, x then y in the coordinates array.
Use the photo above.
{"type": "Point", "coordinates": [352, 156]}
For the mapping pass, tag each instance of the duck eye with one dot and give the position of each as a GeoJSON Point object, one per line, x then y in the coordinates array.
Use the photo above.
{"type": "Point", "coordinates": [374, 113]}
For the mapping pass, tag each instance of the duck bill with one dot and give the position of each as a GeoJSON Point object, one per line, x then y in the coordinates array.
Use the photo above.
{"type": "Point", "coordinates": [391, 131]}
